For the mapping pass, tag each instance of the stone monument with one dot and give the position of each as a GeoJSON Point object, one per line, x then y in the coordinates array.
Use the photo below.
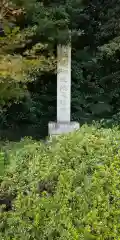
{"type": "Point", "coordinates": [63, 124]}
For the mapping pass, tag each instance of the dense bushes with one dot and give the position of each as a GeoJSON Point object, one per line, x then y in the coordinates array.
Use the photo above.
{"type": "Point", "coordinates": [69, 189]}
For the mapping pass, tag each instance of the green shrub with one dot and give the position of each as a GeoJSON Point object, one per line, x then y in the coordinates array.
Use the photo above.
{"type": "Point", "coordinates": [69, 189]}
{"type": "Point", "coordinates": [3, 159]}
{"type": "Point", "coordinates": [2, 166]}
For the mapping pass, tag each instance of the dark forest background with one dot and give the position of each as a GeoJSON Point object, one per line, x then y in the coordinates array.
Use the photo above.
{"type": "Point", "coordinates": [29, 33]}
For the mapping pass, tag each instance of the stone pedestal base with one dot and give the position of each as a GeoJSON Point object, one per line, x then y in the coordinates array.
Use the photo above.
{"type": "Point", "coordinates": [59, 128]}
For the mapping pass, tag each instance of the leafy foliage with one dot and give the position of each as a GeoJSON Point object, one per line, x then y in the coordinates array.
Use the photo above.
{"type": "Point", "coordinates": [96, 62]}
{"type": "Point", "coordinates": [21, 54]}
{"type": "Point", "coordinates": [68, 190]}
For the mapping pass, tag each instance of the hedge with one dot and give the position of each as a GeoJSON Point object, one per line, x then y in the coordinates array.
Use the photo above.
{"type": "Point", "coordinates": [66, 190]}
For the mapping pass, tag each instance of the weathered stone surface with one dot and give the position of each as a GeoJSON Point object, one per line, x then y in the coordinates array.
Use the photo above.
{"type": "Point", "coordinates": [63, 124]}
{"type": "Point", "coordinates": [63, 83]}
{"type": "Point", "coordinates": [58, 128]}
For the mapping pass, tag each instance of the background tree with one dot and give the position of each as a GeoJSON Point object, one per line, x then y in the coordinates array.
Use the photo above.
{"type": "Point", "coordinates": [95, 60]}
